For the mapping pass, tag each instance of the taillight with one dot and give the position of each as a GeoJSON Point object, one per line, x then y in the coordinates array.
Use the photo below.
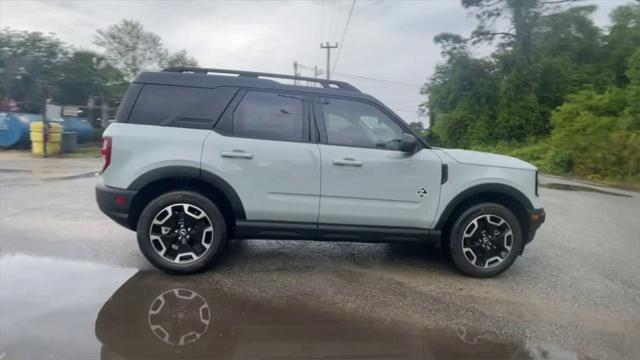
{"type": "Point", "coordinates": [106, 152]}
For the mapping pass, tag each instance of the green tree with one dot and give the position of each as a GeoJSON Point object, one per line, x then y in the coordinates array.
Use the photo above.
{"type": "Point", "coordinates": [29, 63]}
{"type": "Point", "coordinates": [461, 100]}
{"type": "Point", "coordinates": [181, 58]}
{"type": "Point", "coordinates": [130, 48]}
{"type": "Point", "coordinates": [86, 73]}
{"type": "Point", "coordinates": [532, 70]}
{"type": "Point", "coordinates": [623, 40]}
{"type": "Point", "coordinates": [632, 112]}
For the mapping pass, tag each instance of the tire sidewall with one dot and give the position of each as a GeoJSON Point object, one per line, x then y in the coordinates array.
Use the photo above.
{"type": "Point", "coordinates": [455, 240]}
{"type": "Point", "coordinates": [188, 197]}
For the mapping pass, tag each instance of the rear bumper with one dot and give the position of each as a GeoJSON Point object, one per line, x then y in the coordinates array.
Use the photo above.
{"type": "Point", "coordinates": [115, 203]}
{"type": "Point", "coordinates": [536, 219]}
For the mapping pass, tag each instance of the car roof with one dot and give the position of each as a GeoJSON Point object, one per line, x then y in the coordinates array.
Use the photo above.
{"type": "Point", "coordinates": [207, 78]}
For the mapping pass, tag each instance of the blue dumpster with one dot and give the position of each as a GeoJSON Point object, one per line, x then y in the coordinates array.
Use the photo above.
{"type": "Point", "coordinates": [81, 126]}
{"type": "Point", "coordinates": [14, 128]}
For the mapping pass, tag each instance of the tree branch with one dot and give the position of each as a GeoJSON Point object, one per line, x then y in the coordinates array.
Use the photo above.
{"type": "Point", "coordinates": [493, 3]}
{"type": "Point", "coordinates": [487, 33]}
{"type": "Point", "coordinates": [556, 1]}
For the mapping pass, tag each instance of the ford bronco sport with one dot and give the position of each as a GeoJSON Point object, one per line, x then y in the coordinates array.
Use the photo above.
{"type": "Point", "coordinates": [197, 156]}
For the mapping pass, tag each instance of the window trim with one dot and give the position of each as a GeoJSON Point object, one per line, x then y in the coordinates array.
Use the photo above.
{"type": "Point", "coordinates": [322, 126]}
{"type": "Point", "coordinates": [225, 124]}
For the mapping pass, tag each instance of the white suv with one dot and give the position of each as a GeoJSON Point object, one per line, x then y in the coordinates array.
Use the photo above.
{"type": "Point", "coordinates": [197, 156]}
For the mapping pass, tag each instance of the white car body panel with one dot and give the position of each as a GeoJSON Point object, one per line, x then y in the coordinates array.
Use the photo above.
{"type": "Point", "coordinates": [138, 149]}
{"type": "Point", "coordinates": [471, 157]}
{"type": "Point", "coordinates": [465, 176]}
{"type": "Point", "coordinates": [298, 182]}
{"type": "Point", "coordinates": [382, 190]}
{"type": "Point", "coordinates": [281, 182]}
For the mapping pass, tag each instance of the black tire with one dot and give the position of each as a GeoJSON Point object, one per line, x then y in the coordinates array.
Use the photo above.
{"type": "Point", "coordinates": [465, 264]}
{"type": "Point", "coordinates": [207, 258]}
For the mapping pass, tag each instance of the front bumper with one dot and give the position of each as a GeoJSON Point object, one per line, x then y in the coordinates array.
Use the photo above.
{"type": "Point", "coordinates": [115, 203]}
{"type": "Point", "coordinates": [536, 218]}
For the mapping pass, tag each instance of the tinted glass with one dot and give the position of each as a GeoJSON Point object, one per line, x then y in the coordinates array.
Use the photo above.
{"type": "Point", "coordinates": [353, 123]}
{"type": "Point", "coordinates": [180, 106]}
{"type": "Point", "coordinates": [270, 116]}
{"type": "Point", "coordinates": [126, 105]}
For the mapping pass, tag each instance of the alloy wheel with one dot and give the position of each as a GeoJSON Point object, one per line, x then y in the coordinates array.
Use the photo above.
{"type": "Point", "coordinates": [181, 233]}
{"type": "Point", "coordinates": [487, 241]}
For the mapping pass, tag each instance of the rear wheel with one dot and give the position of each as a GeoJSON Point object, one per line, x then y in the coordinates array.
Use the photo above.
{"type": "Point", "coordinates": [181, 232]}
{"type": "Point", "coordinates": [485, 240]}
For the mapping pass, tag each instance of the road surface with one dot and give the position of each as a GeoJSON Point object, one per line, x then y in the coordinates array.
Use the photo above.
{"type": "Point", "coordinates": [74, 285]}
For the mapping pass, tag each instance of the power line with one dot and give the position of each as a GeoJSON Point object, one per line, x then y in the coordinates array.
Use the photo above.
{"type": "Point", "coordinates": [376, 79]}
{"type": "Point", "coordinates": [334, 20]}
{"type": "Point", "coordinates": [344, 33]}
{"type": "Point", "coordinates": [322, 32]}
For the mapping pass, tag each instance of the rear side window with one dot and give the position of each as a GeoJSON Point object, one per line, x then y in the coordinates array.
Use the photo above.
{"type": "Point", "coordinates": [270, 116]}
{"type": "Point", "coordinates": [127, 102]}
{"type": "Point", "coordinates": [180, 106]}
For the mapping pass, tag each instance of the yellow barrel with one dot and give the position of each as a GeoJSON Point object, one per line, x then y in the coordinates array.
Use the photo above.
{"type": "Point", "coordinates": [37, 138]}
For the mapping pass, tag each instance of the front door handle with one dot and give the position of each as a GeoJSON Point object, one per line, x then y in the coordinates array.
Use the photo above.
{"type": "Point", "coordinates": [237, 154]}
{"type": "Point", "coordinates": [347, 162]}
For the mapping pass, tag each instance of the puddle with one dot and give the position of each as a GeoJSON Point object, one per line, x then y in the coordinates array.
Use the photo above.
{"type": "Point", "coordinates": [570, 187]}
{"type": "Point", "coordinates": [71, 310]}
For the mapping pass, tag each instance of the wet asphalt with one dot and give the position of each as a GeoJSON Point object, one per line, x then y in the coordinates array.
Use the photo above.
{"type": "Point", "coordinates": [73, 285]}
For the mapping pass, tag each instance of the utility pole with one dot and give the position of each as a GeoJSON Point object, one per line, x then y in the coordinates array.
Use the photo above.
{"type": "Point", "coordinates": [316, 72]}
{"type": "Point", "coordinates": [295, 71]}
{"type": "Point", "coordinates": [45, 120]}
{"type": "Point", "coordinates": [328, 47]}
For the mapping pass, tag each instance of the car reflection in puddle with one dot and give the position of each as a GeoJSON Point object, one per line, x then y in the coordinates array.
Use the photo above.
{"type": "Point", "coordinates": [49, 310]}
{"type": "Point", "coordinates": [157, 316]}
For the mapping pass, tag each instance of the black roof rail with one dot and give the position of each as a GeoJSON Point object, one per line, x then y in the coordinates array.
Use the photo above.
{"type": "Point", "coordinates": [327, 84]}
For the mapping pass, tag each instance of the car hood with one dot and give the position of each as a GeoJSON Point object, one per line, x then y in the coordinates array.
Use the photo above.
{"type": "Point", "coordinates": [487, 159]}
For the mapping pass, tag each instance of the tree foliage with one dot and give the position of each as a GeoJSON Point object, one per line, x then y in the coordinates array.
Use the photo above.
{"type": "Point", "coordinates": [29, 63]}
{"type": "Point", "coordinates": [181, 58]}
{"type": "Point", "coordinates": [130, 48]}
{"type": "Point", "coordinates": [557, 90]}
{"type": "Point", "coordinates": [86, 74]}
{"type": "Point", "coordinates": [35, 66]}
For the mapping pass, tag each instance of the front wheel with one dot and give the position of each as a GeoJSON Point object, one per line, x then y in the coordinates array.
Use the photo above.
{"type": "Point", "coordinates": [181, 232]}
{"type": "Point", "coordinates": [485, 240]}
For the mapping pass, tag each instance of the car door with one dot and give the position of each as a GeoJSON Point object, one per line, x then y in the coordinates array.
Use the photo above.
{"type": "Point", "coordinates": [262, 148]}
{"type": "Point", "coordinates": [366, 179]}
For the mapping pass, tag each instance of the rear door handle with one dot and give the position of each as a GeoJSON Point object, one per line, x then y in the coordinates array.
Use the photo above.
{"type": "Point", "coordinates": [237, 154]}
{"type": "Point", "coordinates": [347, 162]}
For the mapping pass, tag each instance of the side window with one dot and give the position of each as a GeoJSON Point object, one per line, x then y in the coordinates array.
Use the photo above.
{"type": "Point", "coordinates": [270, 116]}
{"type": "Point", "coordinates": [353, 123]}
{"type": "Point", "coordinates": [180, 106]}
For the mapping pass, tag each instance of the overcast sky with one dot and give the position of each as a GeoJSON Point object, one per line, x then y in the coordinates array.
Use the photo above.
{"type": "Point", "coordinates": [390, 40]}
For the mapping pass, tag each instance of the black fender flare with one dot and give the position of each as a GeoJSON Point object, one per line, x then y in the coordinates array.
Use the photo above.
{"type": "Point", "coordinates": [192, 172]}
{"type": "Point", "coordinates": [498, 188]}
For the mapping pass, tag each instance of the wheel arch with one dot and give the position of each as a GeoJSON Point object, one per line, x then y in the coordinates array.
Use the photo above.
{"type": "Point", "coordinates": [502, 194]}
{"type": "Point", "coordinates": [162, 180]}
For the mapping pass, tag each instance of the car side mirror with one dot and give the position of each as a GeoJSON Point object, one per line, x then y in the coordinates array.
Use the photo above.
{"type": "Point", "coordinates": [409, 143]}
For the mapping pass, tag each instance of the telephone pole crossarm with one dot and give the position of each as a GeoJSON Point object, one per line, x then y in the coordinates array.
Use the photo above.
{"type": "Point", "coordinates": [328, 46]}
